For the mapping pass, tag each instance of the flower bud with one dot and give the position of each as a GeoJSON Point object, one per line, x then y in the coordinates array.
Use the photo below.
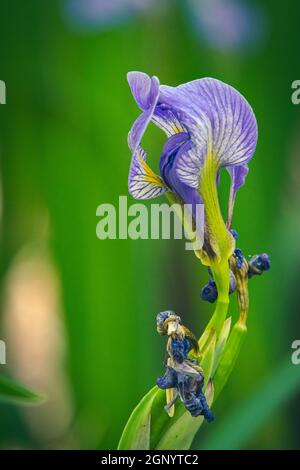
{"type": "Point", "coordinates": [258, 264]}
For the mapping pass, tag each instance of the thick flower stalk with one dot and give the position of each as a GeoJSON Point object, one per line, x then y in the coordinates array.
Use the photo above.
{"type": "Point", "coordinates": [209, 126]}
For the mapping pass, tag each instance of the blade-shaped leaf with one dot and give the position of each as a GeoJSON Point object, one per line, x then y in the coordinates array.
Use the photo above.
{"type": "Point", "coordinates": [207, 359]}
{"type": "Point", "coordinates": [11, 391]}
{"type": "Point", "coordinates": [221, 343]}
{"type": "Point", "coordinates": [229, 356]}
{"type": "Point", "coordinates": [205, 338]}
{"type": "Point", "coordinates": [136, 434]}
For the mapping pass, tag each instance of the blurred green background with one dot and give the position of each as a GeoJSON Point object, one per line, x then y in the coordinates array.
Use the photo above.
{"type": "Point", "coordinates": [78, 313]}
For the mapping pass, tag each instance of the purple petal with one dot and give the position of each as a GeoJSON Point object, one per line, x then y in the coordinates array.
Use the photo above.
{"type": "Point", "coordinates": [175, 147]}
{"type": "Point", "coordinates": [137, 130]}
{"type": "Point", "coordinates": [238, 175]}
{"type": "Point", "coordinates": [167, 120]}
{"type": "Point", "coordinates": [146, 92]}
{"type": "Point", "coordinates": [143, 88]}
{"type": "Point", "coordinates": [214, 114]}
{"type": "Point", "coordinates": [143, 183]}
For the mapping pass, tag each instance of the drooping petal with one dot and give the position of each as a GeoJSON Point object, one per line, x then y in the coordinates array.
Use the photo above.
{"type": "Point", "coordinates": [218, 119]}
{"type": "Point", "coordinates": [238, 175]}
{"type": "Point", "coordinates": [138, 128]}
{"type": "Point", "coordinates": [143, 183]}
{"type": "Point", "coordinates": [146, 92]}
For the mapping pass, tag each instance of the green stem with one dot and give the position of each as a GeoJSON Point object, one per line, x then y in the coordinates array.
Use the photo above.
{"type": "Point", "coordinates": [220, 241]}
{"type": "Point", "coordinates": [221, 276]}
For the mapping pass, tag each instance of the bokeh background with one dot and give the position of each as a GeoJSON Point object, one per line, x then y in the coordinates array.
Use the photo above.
{"type": "Point", "coordinates": [77, 313]}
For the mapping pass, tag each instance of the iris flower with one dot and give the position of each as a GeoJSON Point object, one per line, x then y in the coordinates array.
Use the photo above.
{"type": "Point", "coordinates": [209, 126]}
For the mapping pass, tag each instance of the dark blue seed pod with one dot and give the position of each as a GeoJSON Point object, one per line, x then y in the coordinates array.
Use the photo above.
{"type": "Point", "coordinates": [258, 264]}
{"type": "Point", "coordinates": [261, 262]}
{"type": "Point", "coordinates": [209, 292]}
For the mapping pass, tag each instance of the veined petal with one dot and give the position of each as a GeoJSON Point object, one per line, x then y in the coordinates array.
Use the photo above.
{"type": "Point", "coordinates": [167, 120]}
{"type": "Point", "coordinates": [144, 90]}
{"type": "Point", "coordinates": [174, 148]}
{"type": "Point", "coordinates": [218, 118]}
{"type": "Point", "coordinates": [177, 145]}
{"type": "Point", "coordinates": [238, 175]}
{"type": "Point", "coordinates": [143, 183]}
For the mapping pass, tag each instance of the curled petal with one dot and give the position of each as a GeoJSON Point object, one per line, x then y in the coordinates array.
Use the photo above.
{"type": "Point", "coordinates": [146, 92]}
{"type": "Point", "coordinates": [143, 88]}
{"type": "Point", "coordinates": [143, 183]}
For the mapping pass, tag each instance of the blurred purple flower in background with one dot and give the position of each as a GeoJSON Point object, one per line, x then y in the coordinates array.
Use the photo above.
{"type": "Point", "coordinates": [228, 24]}
{"type": "Point", "coordinates": [100, 14]}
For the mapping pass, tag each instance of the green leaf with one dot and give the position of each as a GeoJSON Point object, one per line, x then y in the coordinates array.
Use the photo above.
{"type": "Point", "coordinates": [181, 432]}
{"type": "Point", "coordinates": [136, 434]}
{"type": "Point", "coordinates": [207, 359]}
{"type": "Point", "coordinates": [205, 338]}
{"type": "Point", "coordinates": [229, 356]}
{"type": "Point", "coordinates": [160, 420]}
{"type": "Point", "coordinates": [12, 392]}
{"type": "Point", "coordinates": [221, 343]}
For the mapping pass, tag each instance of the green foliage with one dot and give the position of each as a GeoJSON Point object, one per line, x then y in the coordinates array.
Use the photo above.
{"type": "Point", "coordinates": [229, 357]}
{"type": "Point", "coordinates": [13, 392]}
{"type": "Point", "coordinates": [140, 419]}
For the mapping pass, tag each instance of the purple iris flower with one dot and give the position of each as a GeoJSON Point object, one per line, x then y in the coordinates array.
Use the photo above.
{"type": "Point", "coordinates": [202, 119]}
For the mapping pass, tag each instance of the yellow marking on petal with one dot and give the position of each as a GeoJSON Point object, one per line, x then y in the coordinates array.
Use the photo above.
{"type": "Point", "coordinates": [177, 129]}
{"type": "Point", "coordinates": [149, 175]}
